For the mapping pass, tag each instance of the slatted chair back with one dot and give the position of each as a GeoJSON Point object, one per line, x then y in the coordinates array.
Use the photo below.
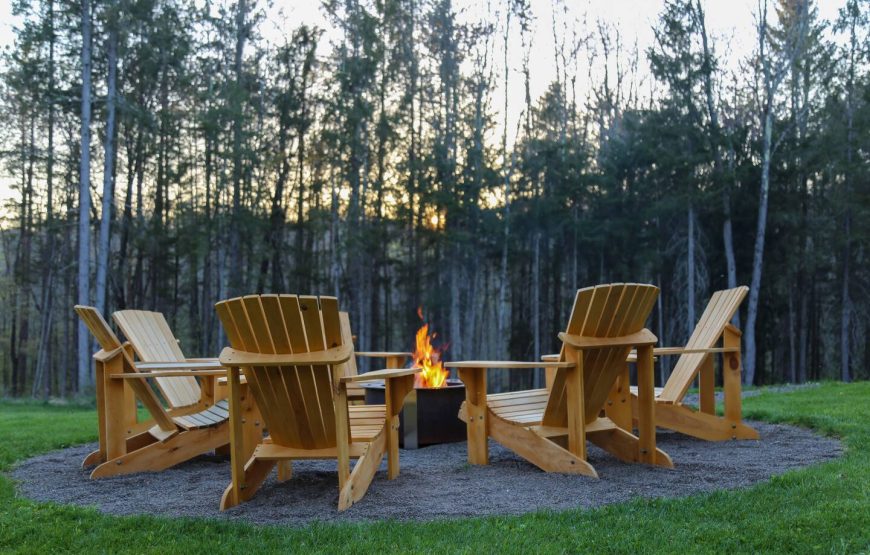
{"type": "Point", "coordinates": [720, 310]}
{"type": "Point", "coordinates": [109, 342]}
{"type": "Point", "coordinates": [613, 310]}
{"type": "Point", "coordinates": [296, 402]}
{"type": "Point", "coordinates": [153, 341]}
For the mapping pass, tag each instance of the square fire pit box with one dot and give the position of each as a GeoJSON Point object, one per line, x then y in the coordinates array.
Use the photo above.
{"type": "Point", "coordinates": [429, 415]}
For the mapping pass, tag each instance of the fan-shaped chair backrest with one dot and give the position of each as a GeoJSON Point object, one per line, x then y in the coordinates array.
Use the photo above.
{"type": "Point", "coordinates": [296, 401]}
{"type": "Point", "coordinates": [613, 310]}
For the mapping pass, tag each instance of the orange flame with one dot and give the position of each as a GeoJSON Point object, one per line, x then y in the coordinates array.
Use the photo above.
{"type": "Point", "coordinates": [427, 357]}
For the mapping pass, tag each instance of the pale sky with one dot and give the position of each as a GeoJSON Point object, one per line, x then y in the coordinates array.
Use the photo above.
{"type": "Point", "coordinates": [730, 23]}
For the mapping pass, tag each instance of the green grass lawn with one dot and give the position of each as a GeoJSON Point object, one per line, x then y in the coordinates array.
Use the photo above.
{"type": "Point", "coordinates": [825, 508]}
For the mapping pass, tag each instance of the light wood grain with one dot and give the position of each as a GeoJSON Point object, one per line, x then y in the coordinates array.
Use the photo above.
{"type": "Point", "coordinates": [297, 355]}
{"type": "Point", "coordinates": [697, 361]}
{"type": "Point", "coordinates": [549, 426]}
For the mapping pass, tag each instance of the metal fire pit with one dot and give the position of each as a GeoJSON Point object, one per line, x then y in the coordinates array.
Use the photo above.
{"type": "Point", "coordinates": [429, 415]}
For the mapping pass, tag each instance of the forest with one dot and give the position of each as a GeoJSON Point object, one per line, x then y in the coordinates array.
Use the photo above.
{"type": "Point", "coordinates": [166, 154]}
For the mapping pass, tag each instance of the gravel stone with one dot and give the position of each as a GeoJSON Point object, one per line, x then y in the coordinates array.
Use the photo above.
{"type": "Point", "coordinates": [435, 482]}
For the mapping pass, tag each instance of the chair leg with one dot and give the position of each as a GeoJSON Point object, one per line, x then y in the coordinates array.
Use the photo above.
{"type": "Point", "coordinates": [574, 391]}
{"type": "Point", "coordinates": [285, 470]}
{"type": "Point", "coordinates": [475, 413]}
{"type": "Point", "coordinates": [233, 495]}
{"type": "Point", "coordinates": [646, 423]}
{"type": "Point", "coordinates": [255, 473]}
{"type": "Point", "coordinates": [396, 390]}
{"type": "Point", "coordinates": [363, 472]}
{"type": "Point", "coordinates": [93, 458]}
{"type": "Point", "coordinates": [116, 408]}
{"type": "Point", "coordinates": [732, 367]}
{"type": "Point", "coordinates": [707, 386]}
{"type": "Point", "coordinates": [99, 455]}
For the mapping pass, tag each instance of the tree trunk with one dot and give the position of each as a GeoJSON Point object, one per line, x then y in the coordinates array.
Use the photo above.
{"type": "Point", "coordinates": [235, 233]}
{"type": "Point", "coordinates": [503, 307]}
{"type": "Point", "coordinates": [84, 354]}
{"type": "Point", "coordinates": [715, 134]}
{"type": "Point", "coordinates": [792, 340]}
{"type": "Point", "coordinates": [456, 343]}
{"type": "Point", "coordinates": [845, 299]}
{"type": "Point", "coordinates": [690, 268]}
{"type": "Point", "coordinates": [108, 169]}
{"type": "Point", "coordinates": [758, 251]}
{"type": "Point", "coordinates": [536, 297]}
{"type": "Point", "coordinates": [43, 368]}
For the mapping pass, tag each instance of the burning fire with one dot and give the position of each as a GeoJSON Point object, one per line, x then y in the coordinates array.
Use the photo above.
{"type": "Point", "coordinates": [427, 357]}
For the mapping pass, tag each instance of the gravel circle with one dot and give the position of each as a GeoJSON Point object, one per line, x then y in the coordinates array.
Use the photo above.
{"type": "Point", "coordinates": [435, 482]}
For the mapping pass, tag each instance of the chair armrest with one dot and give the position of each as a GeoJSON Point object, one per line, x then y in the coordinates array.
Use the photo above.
{"type": "Point", "coordinates": [663, 351]}
{"type": "Point", "coordinates": [211, 364]}
{"type": "Point", "coordinates": [103, 356]}
{"type": "Point", "coordinates": [335, 355]}
{"type": "Point", "coordinates": [206, 359]}
{"type": "Point", "coordinates": [508, 365]}
{"type": "Point", "coordinates": [381, 375]}
{"type": "Point", "coordinates": [643, 337]}
{"type": "Point", "coordinates": [169, 374]}
{"type": "Point", "coordinates": [376, 354]}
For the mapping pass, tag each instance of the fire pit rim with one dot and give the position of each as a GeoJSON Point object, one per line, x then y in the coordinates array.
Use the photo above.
{"type": "Point", "coordinates": [451, 383]}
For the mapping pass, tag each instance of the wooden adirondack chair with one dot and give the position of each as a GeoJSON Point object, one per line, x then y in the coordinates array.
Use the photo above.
{"type": "Point", "coordinates": [549, 427]}
{"type": "Point", "coordinates": [171, 436]}
{"type": "Point", "coordinates": [696, 358]}
{"type": "Point", "coordinates": [293, 354]}
{"type": "Point", "coordinates": [355, 391]}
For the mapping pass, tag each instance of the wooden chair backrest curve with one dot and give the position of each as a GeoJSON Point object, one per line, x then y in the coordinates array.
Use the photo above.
{"type": "Point", "coordinates": [153, 341]}
{"type": "Point", "coordinates": [296, 402]}
{"type": "Point", "coordinates": [108, 342]}
{"type": "Point", "coordinates": [602, 311]}
{"type": "Point", "coordinates": [721, 308]}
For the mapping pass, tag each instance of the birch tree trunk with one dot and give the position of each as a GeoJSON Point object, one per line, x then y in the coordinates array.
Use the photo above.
{"type": "Point", "coordinates": [108, 167]}
{"type": "Point", "coordinates": [503, 310]}
{"type": "Point", "coordinates": [758, 251]}
{"type": "Point", "coordinates": [715, 133]}
{"type": "Point", "coordinates": [773, 73]}
{"type": "Point", "coordinates": [84, 366]}
{"type": "Point", "coordinates": [42, 354]}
